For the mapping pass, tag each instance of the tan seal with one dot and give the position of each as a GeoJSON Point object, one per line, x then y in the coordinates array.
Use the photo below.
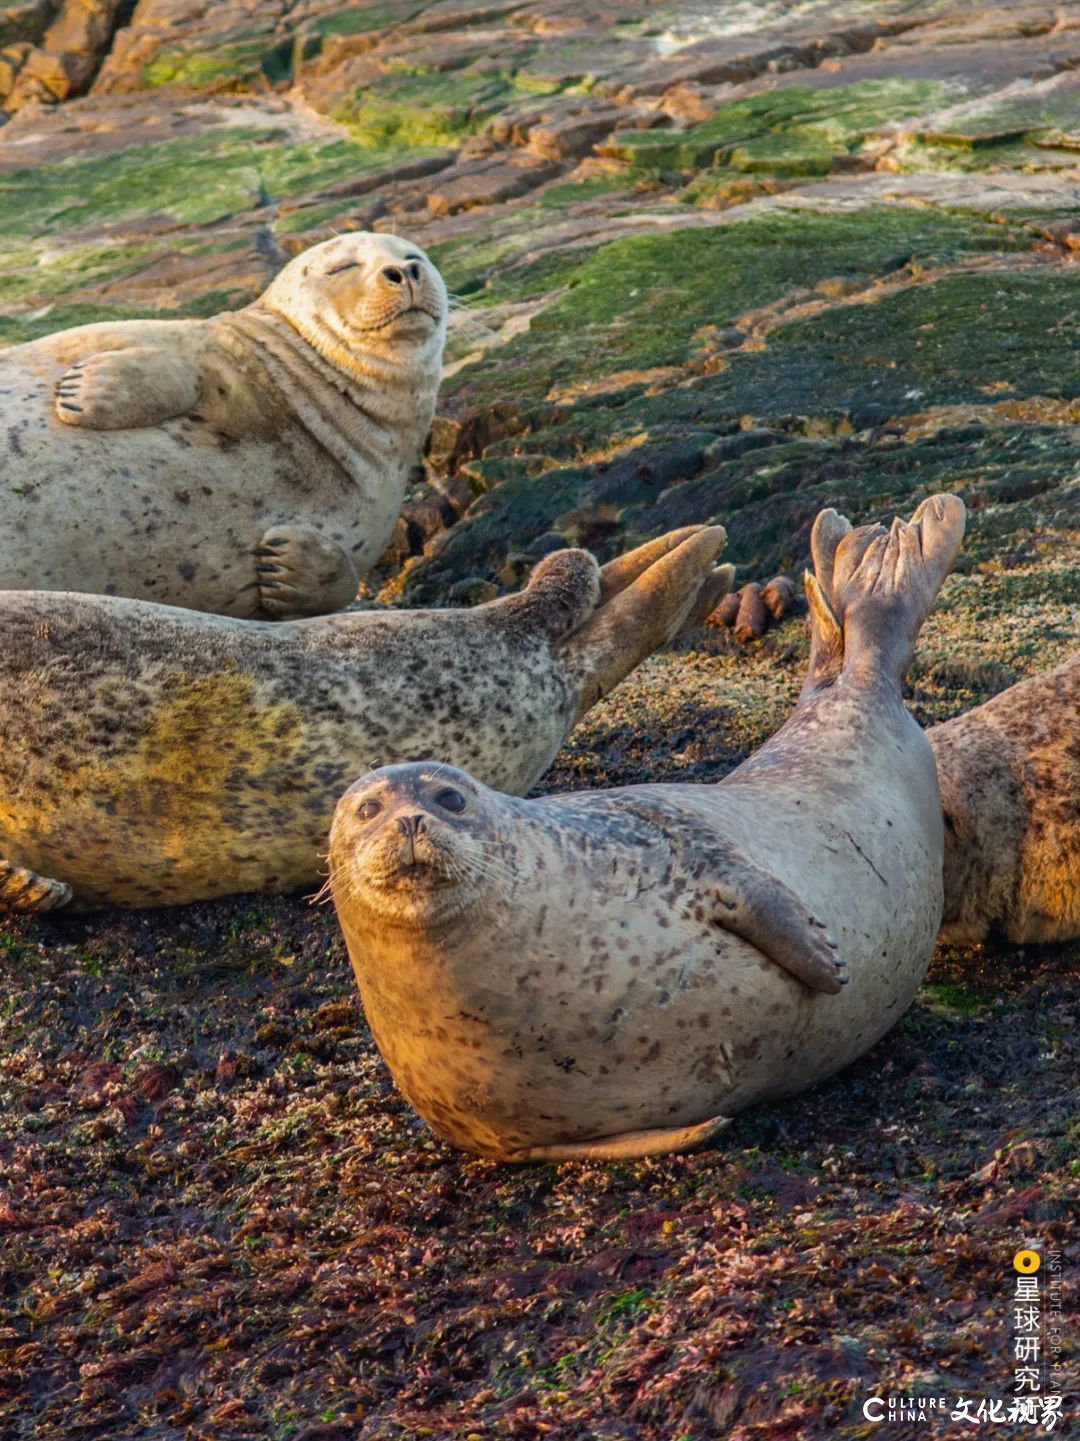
{"type": "Point", "coordinates": [252, 464]}
{"type": "Point", "coordinates": [1009, 772]}
{"type": "Point", "coordinates": [150, 755]}
{"type": "Point", "coordinates": [615, 973]}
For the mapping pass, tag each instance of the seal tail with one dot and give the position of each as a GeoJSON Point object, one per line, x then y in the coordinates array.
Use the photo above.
{"type": "Point", "coordinates": [873, 587]}
{"type": "Point", "coordinates": [668, 596]}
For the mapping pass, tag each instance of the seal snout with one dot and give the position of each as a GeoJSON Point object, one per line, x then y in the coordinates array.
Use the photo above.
{"type": "Point", "coordinates": [395, 275]}
{"type": "Point", "coordinates": [411, 827]}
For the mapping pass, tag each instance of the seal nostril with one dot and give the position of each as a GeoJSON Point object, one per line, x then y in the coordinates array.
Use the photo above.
{"type": "Point", "coordinates": [392, 275]}
{"type": "Point", "coordinates": [413, 270]}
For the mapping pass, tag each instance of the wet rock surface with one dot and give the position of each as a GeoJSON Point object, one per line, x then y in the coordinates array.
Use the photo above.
{"type": "Point", "coordinates": [712, 262]}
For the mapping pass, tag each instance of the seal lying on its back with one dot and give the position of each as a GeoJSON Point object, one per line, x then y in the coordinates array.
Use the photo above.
{"type": "Point", "coordinates": [1009, 773]}
{"type": "Point", "coordinates": [253, 464]}
{"type": "Point", "coordinates": [615, 973]}
{"type": "Point", "coordinates": [151, 755]}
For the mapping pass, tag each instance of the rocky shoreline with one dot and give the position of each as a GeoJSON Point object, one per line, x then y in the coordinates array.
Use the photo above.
{"type": "Point", "coordinates": [734, 261]}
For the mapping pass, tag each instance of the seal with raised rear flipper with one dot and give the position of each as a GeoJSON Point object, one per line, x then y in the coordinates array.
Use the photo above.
{"type": "Point", "coordinates": [151, 755]}
{"type": "Point", "coordinates": [616, 973]}
{"type": "Point", "coordinates": [252, 464]}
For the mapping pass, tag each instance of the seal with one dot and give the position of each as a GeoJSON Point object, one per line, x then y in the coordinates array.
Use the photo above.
{"type": "Point", "coordinates": [616, 973]}
{"type": "Point", "coordinates": [151, 755]}
{"type": "Point", "coordinates": [252, 464]}
{"type": "Point", "coordinates": [1009, 773]}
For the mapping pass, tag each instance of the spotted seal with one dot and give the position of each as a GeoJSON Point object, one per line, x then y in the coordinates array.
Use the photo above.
{"type": "Point", "coordinates": [252, 464]}
{"type": "Point", "coordinates": [152, 755]}
{"type": "Point", "coordinates": [615, 973]}
{"type": "Point", "coordinates": [1009, 773]}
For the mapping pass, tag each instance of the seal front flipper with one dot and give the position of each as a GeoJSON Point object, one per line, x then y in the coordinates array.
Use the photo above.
{"type": "Point", "coordinates": [127, 389]}
{"type": "Point", "coordinates": [753, 903]}
{"type": "Point", "coordinates": [26, 891]}
{"type": "Point", "coordinates": [299, 572]}
{"type": "Point", "coordinates": [630, 1146]}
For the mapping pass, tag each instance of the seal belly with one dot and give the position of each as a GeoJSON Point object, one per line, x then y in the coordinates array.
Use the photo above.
{"type": "Point", "coordinates": [165, 513]}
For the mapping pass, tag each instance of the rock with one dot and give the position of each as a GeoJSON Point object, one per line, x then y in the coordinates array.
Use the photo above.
{"type": "Point", "coordinates": [778, 596]}
{"type": "Point", "coordinates": [753, 618]}
{"type": "Point", "coordinates": [474, 590]}
{"type": "Point", "coordinates": [575, 135]}
{"type": "Point", "coordinates": [727, 447]}
{"type": "Point", "coordinates": [545, 544]}
{"type": "Point", "coordinates": [70, 50]}
{"type": "Point", "coordinates": [485, 182]}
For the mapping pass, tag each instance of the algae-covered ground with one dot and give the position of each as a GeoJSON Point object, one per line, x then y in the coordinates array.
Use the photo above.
{"type": "Point", "coordinates": [712, 261]}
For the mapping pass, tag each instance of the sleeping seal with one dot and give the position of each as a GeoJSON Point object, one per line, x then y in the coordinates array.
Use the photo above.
{"type": "Point", "coordinates": [151, 755]}
{"type": "Point", "coordinates": [252, 464]}
{"type": "Point", "coordinates": [615, 973]}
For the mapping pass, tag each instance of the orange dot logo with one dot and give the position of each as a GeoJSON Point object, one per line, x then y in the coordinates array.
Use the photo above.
{"type": "Point", "coordinates": [1027, 1262]}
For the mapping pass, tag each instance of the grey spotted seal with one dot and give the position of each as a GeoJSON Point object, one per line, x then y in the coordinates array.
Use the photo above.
{"type": "Point", "coordinates": [1009, 772]}
{"type": "Point", "coordinates": [616, 973]}
{"type": "Point", "coordinates": [252, 464]}
{"type": "Point", "coordinates": [151, 755]}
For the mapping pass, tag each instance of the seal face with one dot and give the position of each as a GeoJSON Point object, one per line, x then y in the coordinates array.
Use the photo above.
{"type": "Point", "coordinates": [252, 464]}
{"type": "Point", "coordinates": [153, 755]}
{"type": "Point", "coordinates": [615, 973]}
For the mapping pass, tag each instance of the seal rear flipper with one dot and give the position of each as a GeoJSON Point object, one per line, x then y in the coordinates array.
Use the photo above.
{"type": "Point", "coordinates": [826, 633]}
{"type": "Point", "coordinates": [677, 590]}
{"type": "Point", "coordinates": [756, 905]}
{"type": "Point", "coordinates": [22, 890]}
{"type": "Point", "coordinates": [884, 583]}
{"type": "Point", "coordinates": [617, 574]}
{"type": "Point", "coordinates": [629, 1146]}
{"type": "Point", "coordinates": [127, 389]}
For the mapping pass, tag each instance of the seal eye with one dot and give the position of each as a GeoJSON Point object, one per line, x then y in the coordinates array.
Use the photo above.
{"type": "Point", "coordinates": [450, 800]}
{"type": "Point", "coordinates": [368, 810]}
{"type": "Point", "coordinates": [349, 265]}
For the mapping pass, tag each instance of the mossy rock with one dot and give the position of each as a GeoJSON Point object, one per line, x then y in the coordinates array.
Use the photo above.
{"type": "Point", "coordinates": [640, 301]}
{"type": "Point", "coordinates": [796, 130]}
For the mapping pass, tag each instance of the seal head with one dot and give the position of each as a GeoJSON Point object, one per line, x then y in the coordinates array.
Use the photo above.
{"type": "Point", "coordinates": [356, 295]}
{"type": "Point", "coordinates": [415, 843]}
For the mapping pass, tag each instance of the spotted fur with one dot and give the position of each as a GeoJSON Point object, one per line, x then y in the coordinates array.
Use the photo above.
{"type": "Point", "coordinates": [1010, 788]}
{"type": "Point", "coordinates": [152, 755]}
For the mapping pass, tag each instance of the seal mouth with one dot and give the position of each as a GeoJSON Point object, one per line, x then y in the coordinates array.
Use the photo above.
{"type": "Point", "coordinates": [414, 310]}
{"type": "Point", "coordinates": [398, 316]}
{"type": "Point", "coordinates": [393, 875]}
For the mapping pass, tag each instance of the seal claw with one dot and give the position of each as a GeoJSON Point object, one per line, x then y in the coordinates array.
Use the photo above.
{"type": "Point", "coordinates": [306, 575]}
